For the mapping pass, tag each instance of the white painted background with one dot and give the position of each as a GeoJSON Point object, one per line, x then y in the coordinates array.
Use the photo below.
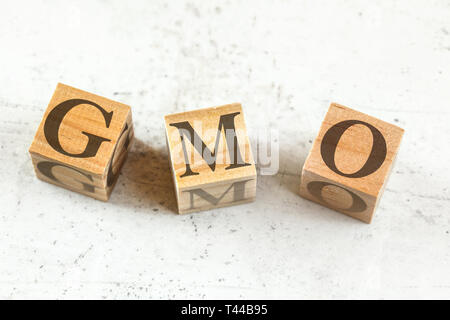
{"type": "Point", "coordinates": [285, 61]}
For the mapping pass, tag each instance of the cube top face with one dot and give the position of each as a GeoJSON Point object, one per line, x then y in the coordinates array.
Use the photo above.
{"type": "Point", "coordinates": [80, 129]}
{"type": "Point", "coordinates": [354, 150]}
{"type": "Point", "coordinates": [209, 146]}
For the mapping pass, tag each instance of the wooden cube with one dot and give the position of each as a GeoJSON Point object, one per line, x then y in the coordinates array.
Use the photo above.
{"type": "Point", "coordinates": [211, 158]}
{"type": "Point", "coordinates": [350, 162]}
{"type": "Point", "coordinates": [82, 142]}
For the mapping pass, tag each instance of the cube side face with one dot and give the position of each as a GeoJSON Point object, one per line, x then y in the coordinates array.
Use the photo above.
{"type": "Point", "coordinates": [331, 194]}
{"type": "Point", "coordinates": [217, 196]}
{"type": "Point", "coordinates": [80, 129]}
{"type": "Point", "coordinates": [120, 153]}
{"type": "Point", "coordinates": [208, 149]}
{"type": "Point", "coordinates": [175, 185]}
{"type": "Point", "coordinates": [70, 178]}
{"type": "Point", "coordinates": [354, 150]}
{"type": "Point", "coordinates": [54, 169]}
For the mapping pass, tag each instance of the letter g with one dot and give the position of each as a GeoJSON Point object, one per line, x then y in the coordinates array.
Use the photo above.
{"type": "Point", "coordinates": [56, 116]}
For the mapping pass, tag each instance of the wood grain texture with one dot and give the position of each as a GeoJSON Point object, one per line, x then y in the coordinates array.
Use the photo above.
{"type": "Point", "coordinates": [76, 121]}
{"type": "Point", "coordinates": [351, 158]}
{"type": "Point", "coordinates": [228, 176]}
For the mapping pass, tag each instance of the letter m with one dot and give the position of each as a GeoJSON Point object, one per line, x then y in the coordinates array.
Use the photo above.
{"type": "Point", "coordinates": [226, 122]}
{"type": "Point", "coordinates": [238, 194]}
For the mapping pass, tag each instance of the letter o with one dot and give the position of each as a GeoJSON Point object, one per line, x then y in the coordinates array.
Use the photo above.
{"type": "Point", "coordinates": [333, 135]}
{"type": "Point", "coordinates": [315, 188]}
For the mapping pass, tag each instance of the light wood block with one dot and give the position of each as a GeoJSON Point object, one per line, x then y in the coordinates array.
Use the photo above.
{"type": "Point", "coordinates": [350, 161]}
{"type": "Point", "coordinates": [211, 158]}
{"type": "Point", "coordinates": [82, 142]}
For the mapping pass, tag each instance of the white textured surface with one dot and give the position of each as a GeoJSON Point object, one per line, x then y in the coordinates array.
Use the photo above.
{"type": "Point", "coordinates": [285, 61]}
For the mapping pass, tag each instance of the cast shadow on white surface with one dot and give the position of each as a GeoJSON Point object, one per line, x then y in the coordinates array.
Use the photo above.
{"type": "Point", "coordinates": [290, 167]}
{"type": "Point", "coordinates": [146, 181]}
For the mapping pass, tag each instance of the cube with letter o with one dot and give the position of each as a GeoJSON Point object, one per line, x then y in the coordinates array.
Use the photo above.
{"type": "Point", "coordinates": [82, 142]}
{"type": "Point", "coordinates": [350, 162]}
